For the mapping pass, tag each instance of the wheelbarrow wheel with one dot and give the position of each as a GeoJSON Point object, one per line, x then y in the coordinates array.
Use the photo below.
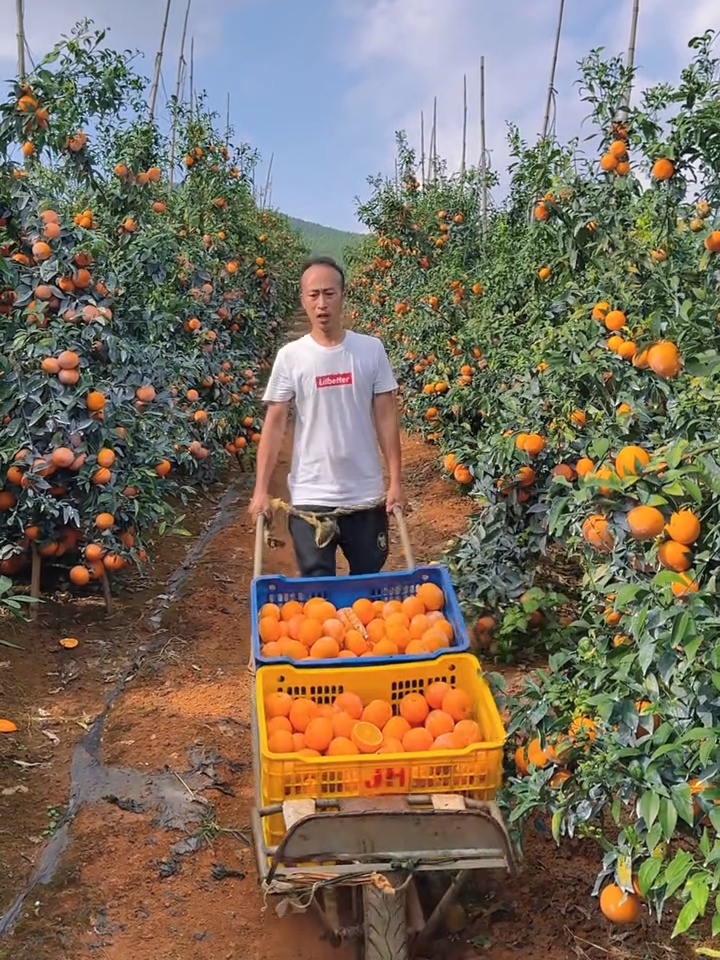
{"type": "Point", "coordinates": [384, 923]}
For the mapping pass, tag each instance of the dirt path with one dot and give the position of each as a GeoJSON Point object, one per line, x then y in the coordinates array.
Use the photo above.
{"type": "Point", "coordinates": [162, 788]}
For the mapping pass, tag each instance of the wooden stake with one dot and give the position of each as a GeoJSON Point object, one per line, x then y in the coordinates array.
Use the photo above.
{"type": "Point", "coordinates": [107, 594]}
{"type": "Point", "coordinates": [434, 140]}
{"type": "Point", "coordinates": [483, 153]}
{"type": "Point", "coordinates": [422, 148]}
{"type": "Point", "coordinates": [20, 19]}
{"type": "Point", "coordinates": [631, 49]}
{"type": "Point", "coordinates": [35, 581]}
{"type": "Point", "coordinates": [267, 182]}
{"type": "Point", "coordinates": [158, 60]}
{"type": "Point", "coordinates": [464, 133]}
{"type": "Point", "coordinates": [192, 74]}
{"type": "Point", "coordinates": [178, 89]}
{"type": "Point", "coordinates": [553, 68]}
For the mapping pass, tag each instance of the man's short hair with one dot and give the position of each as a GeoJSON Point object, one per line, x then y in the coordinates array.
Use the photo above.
{"type": "Point", "coordinates": [323, 262]}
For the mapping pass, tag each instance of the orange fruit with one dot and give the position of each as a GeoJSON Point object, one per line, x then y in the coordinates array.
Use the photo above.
{"type": "Point", "coordinates": [295, 650]}
{"type": "Point", "coordinates": [299, 741]}
{"type": "Point", "coordinates": [399, 636]}
{"type": "Point", "coordinates": [367, 737]}
{"type": "Point", "coordinates": [278, 705]}
{"type": "Point", "coordinates": [326, 648]}
{"type": "Point", "coordinates": [419, 625]}
{"type": "Point", "coordinates": [342, 724]}
{"type": "Point", "coordinates": [281, 742]}
{"type": "Point", "coordinates": [376, 630]}
{"type": "Point", "coordinates": [347, 655]}
{"type": "Point", "coordinates": [391, 607]}
{"type": "Point", "coordinates": [301, 713]}
{"type": "Point", "coordinates": [458, 704]}
{"type": "Point", "coordinates": [438, 723]}
{"type": "Point", "coordinates": [309, 631]}
{"type": "Point", "coordinates": [349, 703]}
{"type": "Point", "coordinates": [395, 728]}
{"type": "Point", "coordinates": [394, 620]}
{"type": "Point", "coordinates": [364, 611]}
{"type": "Point", "coordinates": [278, 723]}
{"type": "Point", "coordinates": [290, 609]}
{"type": "Point", "coordinates": [271, 650]}
{"type": "Point", "coordinates": [431, 596]}
{"type": "Point", "coordinates": [332, 627]}
{"type": "Point", "coordinates": [390, 745]}
{"type": "Point", "coordinates": [413, 607]}
{"type": "Point", "coordinates": [385, 648]}
{"type": "Point", "coordinates": [434, 640]}
{"type": "Point", "coordinates": [341, 747]}
{"type": "Point", "coordinates": [445, 627]}
{"type": "Point", "coordinates": [319, 609]}
{"type": "Point", "coordinates": [417, 740]}
{"type": "Point", "coordinates": [355, 643]}
{"type": "Point", "coordinates": [448, 741]}
{"type": "Point", "coordinates": [468, 731]}
{"type": "Point", "coordinates": [435, 694]}
{"type": "Point", "coordinates": [294, 624]}
{"type": "Point", "coordinates": [319, 734]}
{"type": "Point", "coordinates": [377, 712]}
{"type": "Point", "coordinates": [414, 708]}
{"type": "Point", "coordinates": [618, 906]}
{"type": "Point", "coordinates": [307, 752]}
{"type": "Point", "coordinates": [268, 629]}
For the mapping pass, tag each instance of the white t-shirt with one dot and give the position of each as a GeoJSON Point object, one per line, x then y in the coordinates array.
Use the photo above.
{"type": "Point", "coordinates": [336, 457]}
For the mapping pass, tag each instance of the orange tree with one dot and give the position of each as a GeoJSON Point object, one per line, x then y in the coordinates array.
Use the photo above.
{"type": "Point", "coordinates": [567, 366]}
{"type": "Point", "coordinates": [137, 315]}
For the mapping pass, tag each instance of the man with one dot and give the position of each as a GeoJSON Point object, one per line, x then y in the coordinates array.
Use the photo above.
{"type": "Point", "coordinates": [344, 394]}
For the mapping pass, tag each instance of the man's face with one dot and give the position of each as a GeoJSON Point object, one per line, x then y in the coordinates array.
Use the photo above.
{"type": "Point", "coordinates": [322, 296]}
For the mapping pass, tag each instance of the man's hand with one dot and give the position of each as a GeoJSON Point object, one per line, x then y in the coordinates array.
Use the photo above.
{"type": "Point", "coordinates": [393, 497]}
{"type": "Point", "coordinates": [259, 506]}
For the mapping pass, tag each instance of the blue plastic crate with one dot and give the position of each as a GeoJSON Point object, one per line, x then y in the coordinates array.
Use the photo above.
{"type": "Point", "coordinates": [343, 592]}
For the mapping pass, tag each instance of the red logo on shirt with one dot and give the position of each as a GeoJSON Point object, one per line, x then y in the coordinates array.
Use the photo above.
{"type": "Point", "coordinates": [334, 380]}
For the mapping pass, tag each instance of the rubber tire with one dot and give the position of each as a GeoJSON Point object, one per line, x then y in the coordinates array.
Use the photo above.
{"type": "Point", "coordinates": [384, 924]}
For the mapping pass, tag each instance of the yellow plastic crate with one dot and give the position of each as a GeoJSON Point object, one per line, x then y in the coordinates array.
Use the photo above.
{"type": "Point", "coordinates": [474, 771]}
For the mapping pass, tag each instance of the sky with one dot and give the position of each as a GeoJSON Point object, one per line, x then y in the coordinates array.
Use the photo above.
{"type": "Point", "coordinates": [322, 85]}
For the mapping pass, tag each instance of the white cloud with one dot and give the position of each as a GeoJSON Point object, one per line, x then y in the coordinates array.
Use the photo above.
{"type": "Point", "coordinates": [133, 24]}
{"type": "Point", "coordinates": [405, 53]}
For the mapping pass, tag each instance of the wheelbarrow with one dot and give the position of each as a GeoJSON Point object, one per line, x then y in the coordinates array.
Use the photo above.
{"type": "Point", "coordinates": [355, 860]}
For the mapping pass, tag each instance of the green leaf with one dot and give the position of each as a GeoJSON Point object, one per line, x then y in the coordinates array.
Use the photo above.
{"type": "Point", "coordinates": [686, 918]}
{"type": "Point", "coordinates": [682, 798]}
{"type": "Point", "coordinates": [699, 893]}
{"type": "Point", "coordinates": [668, 817]}
{"type": "Point", "coordinates": [556, 824]}
{"type": "Point", "coordinates": [676, 872]}
{"type": "Point", "coordinates": [648, 874]}
{"type": "Point", "coordinates": [649, 808]}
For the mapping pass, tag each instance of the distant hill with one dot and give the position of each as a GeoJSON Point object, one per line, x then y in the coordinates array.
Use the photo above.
{"type": "Point", "coordinates": [325, 240]}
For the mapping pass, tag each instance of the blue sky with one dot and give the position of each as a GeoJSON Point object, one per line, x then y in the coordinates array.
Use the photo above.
{"type": "Point", "coordinates": [324, 84]}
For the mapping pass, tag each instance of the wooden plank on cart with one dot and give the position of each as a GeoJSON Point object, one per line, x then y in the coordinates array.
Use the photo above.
{"type": "Point", "coordinates": [447, 801]}
{"type": "Point", "coordinates": [294, 810]}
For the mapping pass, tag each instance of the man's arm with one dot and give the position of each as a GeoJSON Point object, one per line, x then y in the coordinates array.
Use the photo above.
{"type": "Point", "coordinates": [387, 426]}
{"type": "Point", "coordinates": [278, 394]}
{"type": "Point", "coordinates": [268, 450]}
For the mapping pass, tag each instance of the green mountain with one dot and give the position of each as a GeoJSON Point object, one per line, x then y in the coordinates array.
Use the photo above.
{"type": "Point", "coordinates": [325, 241]}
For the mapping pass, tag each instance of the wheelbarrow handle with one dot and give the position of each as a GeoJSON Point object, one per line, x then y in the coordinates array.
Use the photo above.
{"type": "Point", "coordinates": [404, 537]}
{"type": "Point", "coordinates": [399, 519]}
{"type": "Point", "coordinates": [259, 543]}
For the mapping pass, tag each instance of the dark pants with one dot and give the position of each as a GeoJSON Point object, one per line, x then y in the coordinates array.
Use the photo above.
{"type": "Point", "coordinates": [362, 537]}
